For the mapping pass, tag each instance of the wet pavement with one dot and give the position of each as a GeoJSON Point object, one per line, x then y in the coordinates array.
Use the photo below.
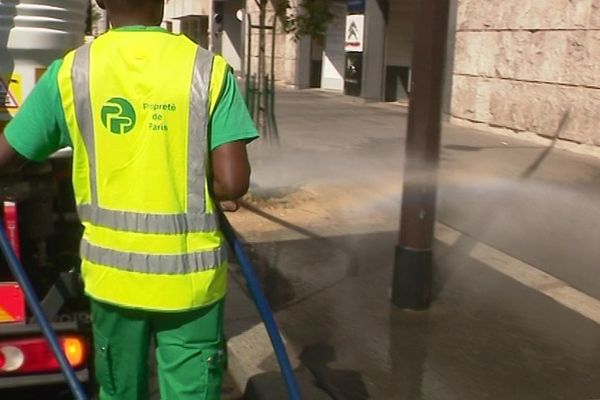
{"type": "Point", "coordinates": [322, 225]}
{"type": "Point", "coordinates": [485, 337]}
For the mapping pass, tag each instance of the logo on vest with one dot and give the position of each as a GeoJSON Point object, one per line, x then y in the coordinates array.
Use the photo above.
{"type": "Point", "coordinates": [118, 115]}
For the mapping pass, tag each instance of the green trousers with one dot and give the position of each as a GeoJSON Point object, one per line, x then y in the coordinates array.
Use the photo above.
{"type": "Point", "coordinates": [189, 352]}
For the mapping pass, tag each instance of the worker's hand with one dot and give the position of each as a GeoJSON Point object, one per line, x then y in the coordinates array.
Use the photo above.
{"type": "Point", "coordinates": [229, 205]}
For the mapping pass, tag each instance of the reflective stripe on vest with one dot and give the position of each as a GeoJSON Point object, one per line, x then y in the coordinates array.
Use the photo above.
{"type": "Point", "coordinates": [155, 264]}
{"type": "Point", "coordinates": [146, 223]}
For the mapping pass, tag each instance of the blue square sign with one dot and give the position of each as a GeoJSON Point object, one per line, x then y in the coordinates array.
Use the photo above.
{"type": "Point", "coordinates": [356, 6]}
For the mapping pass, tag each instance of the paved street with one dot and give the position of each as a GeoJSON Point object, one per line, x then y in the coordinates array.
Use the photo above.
{"type": "Point", "coordinates": [516, 314]}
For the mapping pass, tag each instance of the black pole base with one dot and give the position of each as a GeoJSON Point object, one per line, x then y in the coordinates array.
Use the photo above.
{"type": "Point", "coordinates": [413, 276]}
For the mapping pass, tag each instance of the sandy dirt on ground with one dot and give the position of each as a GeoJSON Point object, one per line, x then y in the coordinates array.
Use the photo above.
{"type": "Point", "coordinates": [332, 208]}
{"type": "Point", "coordinates": [297, 206]}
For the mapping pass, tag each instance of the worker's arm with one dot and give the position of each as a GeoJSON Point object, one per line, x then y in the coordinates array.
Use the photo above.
{"type": "Point", "coordinates": [230, 170]}
{"type": "Point", "coordinates": [10, 160]}
{"type": "Point", "coordinates": [38, 129]}
{"type": "Point", "coordinates": [231, 129]}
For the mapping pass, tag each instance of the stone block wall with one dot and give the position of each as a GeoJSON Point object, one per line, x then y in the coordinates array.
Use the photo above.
{"type": "Point", "coordinates": [523, 64]}
{"type": "Point", "coordinates": [286, 52]}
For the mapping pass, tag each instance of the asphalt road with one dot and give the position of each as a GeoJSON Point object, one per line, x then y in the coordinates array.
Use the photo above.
{"type": "Point", "coordinates": [515, 312]}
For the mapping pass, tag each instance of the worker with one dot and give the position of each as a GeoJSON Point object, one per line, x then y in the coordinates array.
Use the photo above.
{"type": "Point", "coordinates": [158, 130]}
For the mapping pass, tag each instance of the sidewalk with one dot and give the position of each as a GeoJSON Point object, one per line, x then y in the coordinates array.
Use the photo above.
{"type": "Point", "coordinates": [515, 314]}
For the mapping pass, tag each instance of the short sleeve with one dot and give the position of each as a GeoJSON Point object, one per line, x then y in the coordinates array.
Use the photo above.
{"type": "Point", "coordinates": [39, 128]}
{"type": "Point", "coordinates": [231, 120]}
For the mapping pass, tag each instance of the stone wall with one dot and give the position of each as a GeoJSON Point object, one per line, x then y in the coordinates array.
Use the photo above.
{"type": "Point", "coordinates": [523, 64]}
{"type": "Point", "coordinates": [285, 47]}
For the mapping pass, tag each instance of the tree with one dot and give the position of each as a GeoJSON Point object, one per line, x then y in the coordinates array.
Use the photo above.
{"type": "Point", "coordinates": [299, 18]}
{"type": "Point", "coordinates": [91, 19]}
{"type": "Point", "coordinates": [309, 18]}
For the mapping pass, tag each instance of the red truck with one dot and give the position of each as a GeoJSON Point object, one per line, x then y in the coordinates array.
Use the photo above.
{"type": "Point", "coordinates": [38, 208]}
{"type": "Point", "coordinates": [39, 212]}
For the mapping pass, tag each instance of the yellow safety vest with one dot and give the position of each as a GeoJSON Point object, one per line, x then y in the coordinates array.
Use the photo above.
{"type": "Point", "coordinates": [137, 106]}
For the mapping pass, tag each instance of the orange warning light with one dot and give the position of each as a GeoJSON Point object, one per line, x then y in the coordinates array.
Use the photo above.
{"type": "Point", "coordinates": [74, 348]}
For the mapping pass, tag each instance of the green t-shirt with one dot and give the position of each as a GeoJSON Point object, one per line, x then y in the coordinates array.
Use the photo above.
{"type": "Point", "coordinates": [39, 128]}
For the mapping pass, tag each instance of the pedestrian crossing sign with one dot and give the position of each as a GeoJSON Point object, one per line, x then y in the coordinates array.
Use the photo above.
{"type": "Point", "coordinates": [7, 100]}
{"type": "Point", "coordinates": [10, 93]}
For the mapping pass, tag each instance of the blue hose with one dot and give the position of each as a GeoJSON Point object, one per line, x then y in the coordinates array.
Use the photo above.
{"type": "Point", "coordinates": [263, 309]}
{"type": "Point", "coordinates": [34, 304]}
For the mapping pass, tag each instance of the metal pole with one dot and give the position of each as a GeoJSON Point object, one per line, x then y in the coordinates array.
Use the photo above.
{"type": "Point", "coordinates": [272, 116]}
{"type": "Point", "coordinates": [413, 269]}
{"type": "Point", "coordinates": [273, 42]}
{"type": "Point", "coordinates": [248, 58]}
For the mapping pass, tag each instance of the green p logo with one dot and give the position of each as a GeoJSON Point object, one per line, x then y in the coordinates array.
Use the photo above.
{"type": "Point", "coordinates": [118, 115]}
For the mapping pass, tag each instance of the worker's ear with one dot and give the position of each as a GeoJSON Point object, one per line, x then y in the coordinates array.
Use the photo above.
{"type": "Point", "coordinates": [101, 4]}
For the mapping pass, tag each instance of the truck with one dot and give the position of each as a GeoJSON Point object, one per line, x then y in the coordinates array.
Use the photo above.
{"type": "Point", "coordinates": [38, 208]}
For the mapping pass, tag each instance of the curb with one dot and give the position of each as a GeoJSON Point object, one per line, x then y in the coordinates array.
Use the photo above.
{"type": "Point", "coordinates": [252, 364]}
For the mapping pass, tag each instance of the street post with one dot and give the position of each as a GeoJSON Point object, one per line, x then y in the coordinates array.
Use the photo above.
{"type": "Point", "coordinates": [413, 266]}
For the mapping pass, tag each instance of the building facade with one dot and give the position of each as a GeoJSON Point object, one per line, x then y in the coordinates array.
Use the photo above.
{"type": "Point", "coordinates": [525, 65]}
{"type": "Point", "coordinates": [519, 66]}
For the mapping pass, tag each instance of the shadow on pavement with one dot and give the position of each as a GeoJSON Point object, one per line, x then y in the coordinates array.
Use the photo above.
{"type": "Point", "coordinates": [340, 384]}
{"type": "Point", "coordinates": [317, 379]}
{"type": "Point", "coordinates": [466, 147]}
